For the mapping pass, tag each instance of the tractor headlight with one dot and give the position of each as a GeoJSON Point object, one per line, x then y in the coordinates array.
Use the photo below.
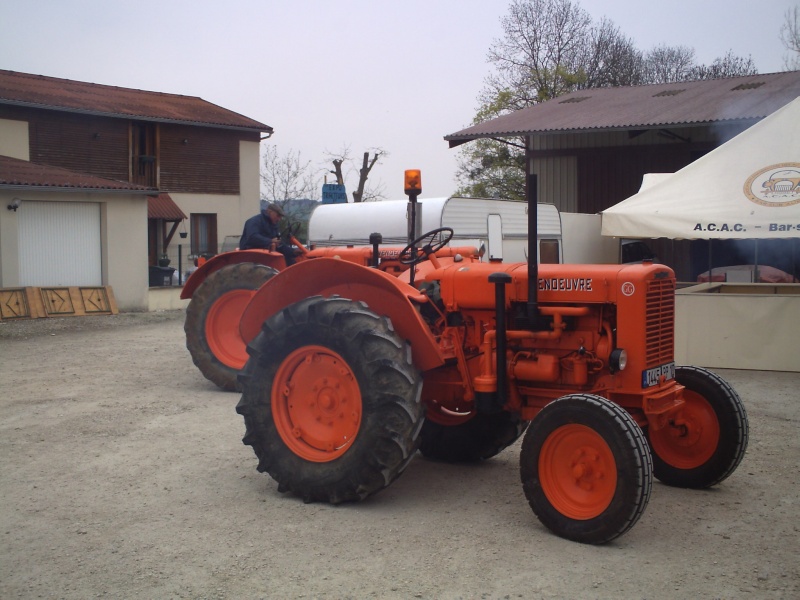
{"type": "Point", "coordinates": [618, 360]}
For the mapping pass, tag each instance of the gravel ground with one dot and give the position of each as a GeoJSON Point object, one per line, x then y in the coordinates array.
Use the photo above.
{"type": "Point", "coordinates": [123, 475]}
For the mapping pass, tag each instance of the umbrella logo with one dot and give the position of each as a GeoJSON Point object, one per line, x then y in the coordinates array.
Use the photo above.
{"type": "Point", "coordinates": [776, 185]}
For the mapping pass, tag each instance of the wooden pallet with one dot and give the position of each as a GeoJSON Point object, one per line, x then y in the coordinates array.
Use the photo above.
{"type": "Point", "coordinates": [38, 302]}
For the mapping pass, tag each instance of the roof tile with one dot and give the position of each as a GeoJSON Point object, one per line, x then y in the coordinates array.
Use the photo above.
{"type": "Point", "coordinates": [90, 98]}
{"type": "Point", "coordinates": [15, 172]}
{"type": "Point", "coordinates": [164, 207]}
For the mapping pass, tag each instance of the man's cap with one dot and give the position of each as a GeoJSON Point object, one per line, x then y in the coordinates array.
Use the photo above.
{"type": "Point", "coordinates": [275, 207]}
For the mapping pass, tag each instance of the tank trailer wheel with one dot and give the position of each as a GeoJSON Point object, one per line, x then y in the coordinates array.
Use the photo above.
{"type": "Point", "coordinates": [482, 436]}
{"type": "Point", "coordinates": [429, 246]}
{"type": "Point", "coordinates": [212, 321]}
{"type": "Point", "coordinates": [707, 439]}
{"type": "Point", "coordinates": [331, 400]}
{"type": "Point", "coordinates": [586, 469]}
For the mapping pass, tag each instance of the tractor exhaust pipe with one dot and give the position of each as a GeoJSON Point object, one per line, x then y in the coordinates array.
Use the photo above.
{"type": "Point", "coordinates": [532, 198]}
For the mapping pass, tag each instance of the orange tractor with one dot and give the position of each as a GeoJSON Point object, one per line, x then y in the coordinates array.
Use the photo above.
{"type": "Point", "coordinates": [352, 369]}
{"type": "Point", "coordinates": [221, 287]}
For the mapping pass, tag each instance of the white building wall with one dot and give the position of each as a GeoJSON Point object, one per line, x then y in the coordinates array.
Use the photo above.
{"type": "Point", "coordinates": [227, 208]}
{"type": "Point", "coordinates": [14, 139]}
{"type": "Point", "coordinates": [124, 242]}
{"type": "Point", "coordinates": [249, 182]}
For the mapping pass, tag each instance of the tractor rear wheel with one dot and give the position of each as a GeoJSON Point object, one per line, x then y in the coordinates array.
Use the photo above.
{"type": "Point", "coordinates": [586, 469]}
{"type": "Point", "coordinates": [212, 321]}
{"type": "Point", "coordinates": [706, 440]}
{"type": "Point", "coordinates": [331, 400]}
{"type": "Point", "coordinates": [482, 436]}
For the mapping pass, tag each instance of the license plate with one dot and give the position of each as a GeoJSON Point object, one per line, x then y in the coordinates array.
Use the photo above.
{"type": "Point", "coordinates": [650, 377]}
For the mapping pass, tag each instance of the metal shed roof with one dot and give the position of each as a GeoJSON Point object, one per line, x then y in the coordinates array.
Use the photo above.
{"type": "Point", "coordinates": [687, 103]}
{"type": "Point", "coordinates": [38, 91]}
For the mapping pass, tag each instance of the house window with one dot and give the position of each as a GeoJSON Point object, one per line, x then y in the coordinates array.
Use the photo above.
{"type": "Point", "coordinates": [204, 233]}
{"type": "Point", "coordinates": [144, 154]}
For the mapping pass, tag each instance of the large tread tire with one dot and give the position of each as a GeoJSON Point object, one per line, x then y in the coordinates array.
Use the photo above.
{"type": "Point", "coordinates": [586, 469]}
{"type": "Point", "coordinates": [212, 321]}
{"type": "Point", "coordinates": [480, 438]}
{"type": "Point", "coordinates": [352, 344]}
{"type": "Point", "coordinates": [708, 440]}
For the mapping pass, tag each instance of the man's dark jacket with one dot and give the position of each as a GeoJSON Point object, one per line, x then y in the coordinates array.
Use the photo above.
{"type": "Point", "coordinates": [259, 231]}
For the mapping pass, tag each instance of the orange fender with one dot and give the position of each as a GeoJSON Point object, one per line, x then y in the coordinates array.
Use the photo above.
{"type": "Point", "coordinates": [383, 293]}
{"type": "Point", "coordinates": [261, 257]}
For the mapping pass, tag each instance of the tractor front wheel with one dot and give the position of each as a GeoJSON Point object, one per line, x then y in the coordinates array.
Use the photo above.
{"type": "Point", "coordinates": [706, 439]}
{"type": "Point", "coordinates": [212, 321]}
{"type": "Point", "coordinates": [331, 400]}
{"type": "Point", "coordinates": [586, 469]}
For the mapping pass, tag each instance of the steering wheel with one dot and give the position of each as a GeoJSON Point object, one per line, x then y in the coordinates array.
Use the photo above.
{"type": "Point", "coordinates": [291, 228]}
{"type": "Point", "coordinates": [428, 247]}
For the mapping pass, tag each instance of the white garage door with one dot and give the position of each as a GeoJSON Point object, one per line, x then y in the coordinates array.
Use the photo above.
{"type": "Point", "coordinates": [59, 244]}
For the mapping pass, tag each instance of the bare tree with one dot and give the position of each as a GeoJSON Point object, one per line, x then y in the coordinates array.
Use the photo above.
{"type": "Point", "coordinates": [342, 159]}
{"type": "Point", "coordinates": [540, 54]}
{"type": "Point", "coordinates": [729, 65]}
{"type": "Point", "coordinates": [668, 64]}
{"type": "Point", "coordinates": [790, 36]}
{"type": "Point", "coordinates": [549, 48]}
{"type": "Point", "coordinates": [287, 177]}
{"type": "Point", "coordinates": [611, 59]}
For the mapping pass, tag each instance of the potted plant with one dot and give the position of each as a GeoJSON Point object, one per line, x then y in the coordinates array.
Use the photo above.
{"type": "Point", "coordinates": [163, 260]}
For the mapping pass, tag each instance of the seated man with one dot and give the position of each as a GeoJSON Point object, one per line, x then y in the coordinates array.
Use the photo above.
{"type": "Point", "coordinates": [262, 231]}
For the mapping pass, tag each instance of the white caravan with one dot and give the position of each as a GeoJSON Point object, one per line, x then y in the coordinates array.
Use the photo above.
{"type": "Point", "coordinates": [499, 225]}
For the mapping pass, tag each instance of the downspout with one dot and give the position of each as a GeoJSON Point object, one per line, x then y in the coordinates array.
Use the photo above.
{"type": "Point", "coordinates": [532, 196]}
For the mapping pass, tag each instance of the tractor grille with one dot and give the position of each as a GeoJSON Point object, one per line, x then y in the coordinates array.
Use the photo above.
{"type": "Point", "coordinates": [660, 328]}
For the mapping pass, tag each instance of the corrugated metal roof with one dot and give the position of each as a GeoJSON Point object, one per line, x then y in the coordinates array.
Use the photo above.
{"type": "Point", "coordinates": [15, 173]}
{"type": "Point", "coordinates": [687, 103]}
{"type": "Point", "coordinates": [163, 207]}
{"type": "Point", "coordinates": [23, 89]}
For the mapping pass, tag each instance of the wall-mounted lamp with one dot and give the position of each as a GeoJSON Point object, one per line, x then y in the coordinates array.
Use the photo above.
{"type": "Point", "coordinates": [185, 141]}
{"type": "Point", "coordinates": [14, 204]}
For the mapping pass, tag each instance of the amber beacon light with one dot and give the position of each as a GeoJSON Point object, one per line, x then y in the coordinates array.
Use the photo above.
{"type": "Point", "coordinates": [413, 182]}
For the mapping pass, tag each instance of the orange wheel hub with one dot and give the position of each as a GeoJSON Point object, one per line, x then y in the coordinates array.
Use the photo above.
{"type": "Point", "coordinates": [577, 472]}
{"type": "Point", "coordinates": [222, 328]}
{"type": "Point", "coordinates": [691, 437]}
{"type": "Point", "coordinates": [316, 404]}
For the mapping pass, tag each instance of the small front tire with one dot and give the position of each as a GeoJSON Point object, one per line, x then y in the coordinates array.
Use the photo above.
{"type": "Point", "coordinates": [586, 469]}
{"type": "Point", "coordinates": [707, 438]}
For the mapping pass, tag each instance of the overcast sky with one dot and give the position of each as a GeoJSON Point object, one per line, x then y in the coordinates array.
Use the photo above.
{"type": "Point", "coordinates": [324, 74]}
